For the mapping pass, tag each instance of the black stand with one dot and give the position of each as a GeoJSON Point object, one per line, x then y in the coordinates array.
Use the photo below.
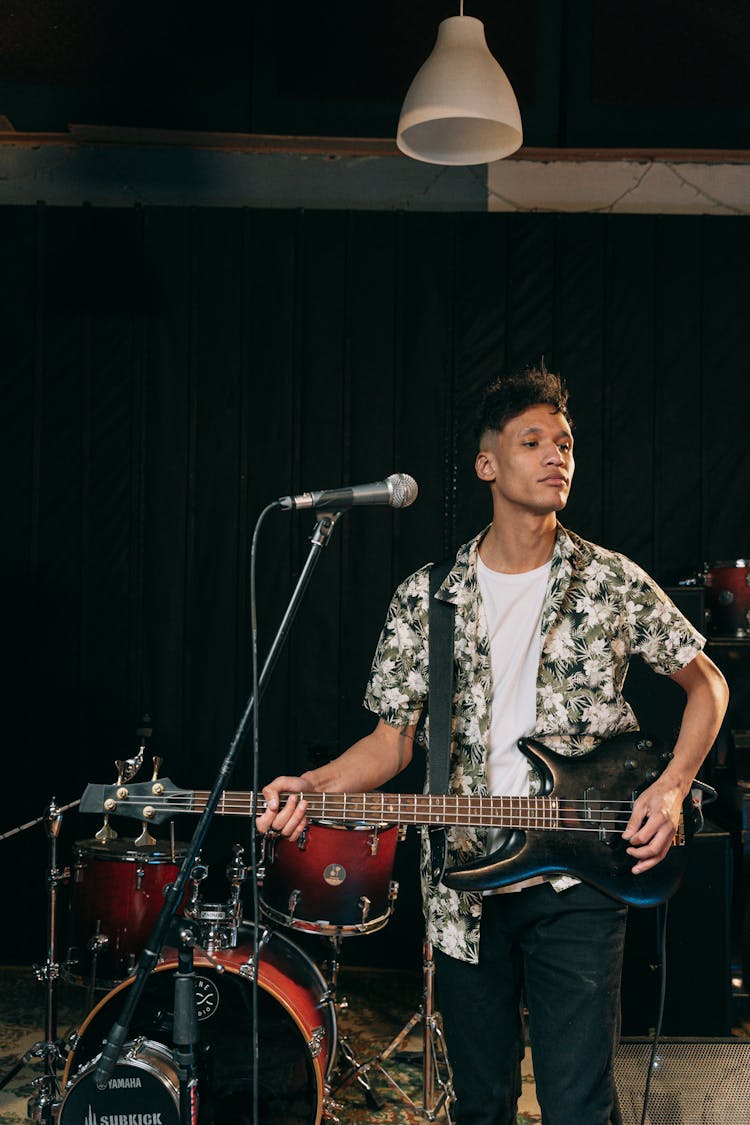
{"type": "Point", "coordinates": [185, 1027]}
{"type": "Point", "coordinates": [43, 1104]}
{"type": "Point", "coordinates": [148, 960]}
{"type": "Point", "coordinates": [437, 1076]}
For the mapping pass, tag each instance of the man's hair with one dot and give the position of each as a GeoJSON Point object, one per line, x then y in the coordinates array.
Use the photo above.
{"type": "Point", "coordinates": [510, 395]}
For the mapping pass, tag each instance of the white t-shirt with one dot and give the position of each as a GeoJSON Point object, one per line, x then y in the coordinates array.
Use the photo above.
{"type": "Point", "coordinates": [513, 608]}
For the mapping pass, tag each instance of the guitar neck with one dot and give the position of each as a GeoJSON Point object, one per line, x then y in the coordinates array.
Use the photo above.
{"type": "Point", "coordinates": [406, 808]}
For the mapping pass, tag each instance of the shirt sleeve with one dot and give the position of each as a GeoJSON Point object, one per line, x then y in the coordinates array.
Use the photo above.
{"type": "Point", "coordinates": [660, 633]}
{"type": "Point", "coordinates": [398, 684]}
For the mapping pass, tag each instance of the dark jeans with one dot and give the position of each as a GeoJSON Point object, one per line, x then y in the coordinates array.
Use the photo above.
{"type": "Point", "coordinates": [565, 950]}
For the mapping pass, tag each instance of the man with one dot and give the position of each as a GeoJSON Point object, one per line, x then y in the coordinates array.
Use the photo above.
{"type": "Point", "coordinates": [545, 624]}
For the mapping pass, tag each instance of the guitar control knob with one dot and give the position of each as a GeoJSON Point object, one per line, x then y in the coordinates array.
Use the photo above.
{"type": "Point", "coordinates": [666, 756]}
{"type": "Point", "coordinates": [652, 775]}
{"type": "Point", "coordinates": [630, 764]}
{"type": "Point", "coordinates": [645, 744]}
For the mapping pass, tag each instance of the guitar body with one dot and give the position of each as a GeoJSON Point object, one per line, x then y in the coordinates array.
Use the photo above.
{"type": "Point", "coordinates": [594, 793]}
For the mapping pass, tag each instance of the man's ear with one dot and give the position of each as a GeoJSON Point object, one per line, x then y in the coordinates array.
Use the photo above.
{"type": "Point", "coordinates": [484, 465]}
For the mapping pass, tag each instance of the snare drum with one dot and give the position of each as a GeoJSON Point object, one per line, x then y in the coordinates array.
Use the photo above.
{"type": "Point", "coordinates": [118, 892]}
{"type": "Point", "coordinates": [333, 880]}
{"type": "Point", "coordinates": [728, 598]}
{"type": "Point", "coordinates": [296, 1034]}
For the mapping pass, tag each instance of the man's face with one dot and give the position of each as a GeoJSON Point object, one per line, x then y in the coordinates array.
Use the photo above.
{"type": "Point", "coordinates": [529, 463]}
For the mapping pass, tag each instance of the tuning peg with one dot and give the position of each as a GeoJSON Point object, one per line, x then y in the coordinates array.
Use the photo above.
{"type": "Point", "coordinates": [106, 832]}
{"type": "Point", "coordinates": [145, 840]}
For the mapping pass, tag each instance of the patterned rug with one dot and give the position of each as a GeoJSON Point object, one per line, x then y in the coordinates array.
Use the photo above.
{"type": "Point", "coordinates": [380, 1003]}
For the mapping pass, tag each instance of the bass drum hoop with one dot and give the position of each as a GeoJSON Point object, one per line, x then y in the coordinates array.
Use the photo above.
{"type": "Point", "coordinates": [230, 961]}
{"type": "Point", "coordinates": [147, 1055]}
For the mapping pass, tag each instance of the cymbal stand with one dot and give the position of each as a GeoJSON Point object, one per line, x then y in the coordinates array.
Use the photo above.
{"type": "Point", "coordinates": [43, 1105]}
{"type": "Point", "coordinates": [437, 1076]}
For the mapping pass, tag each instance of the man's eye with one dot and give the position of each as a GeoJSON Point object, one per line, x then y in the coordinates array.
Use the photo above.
{"type": "Point", "coordinates": [565, 447]}
{"type": "Point", "coordinates": [531, 444]}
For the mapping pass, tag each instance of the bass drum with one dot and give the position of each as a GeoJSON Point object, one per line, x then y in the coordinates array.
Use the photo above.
{"type": "Point", "coordinates": [296, 1036]}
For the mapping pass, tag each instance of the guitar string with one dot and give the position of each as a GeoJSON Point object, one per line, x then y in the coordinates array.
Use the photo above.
{"type": "Point", "coordinates": [535, 817]}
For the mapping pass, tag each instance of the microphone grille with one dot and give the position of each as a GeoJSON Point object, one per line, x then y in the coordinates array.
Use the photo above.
{"type": "Point", "coordinates": [404, 490]}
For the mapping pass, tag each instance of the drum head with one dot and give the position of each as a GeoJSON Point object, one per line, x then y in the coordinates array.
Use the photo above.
{"type": "Point", "coordinates": [143, 1087]}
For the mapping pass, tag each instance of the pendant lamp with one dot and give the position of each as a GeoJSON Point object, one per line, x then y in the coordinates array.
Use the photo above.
{"type": "Point", "coordinates": [460, 108]}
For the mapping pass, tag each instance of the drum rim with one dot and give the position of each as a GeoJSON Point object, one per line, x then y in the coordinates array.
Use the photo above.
{"type": "Point", "coordinates": [323, 926]}
{"type": "Point", "coordinates": [172, 963]}
{"type": "Point", "coordinates": [728, 564]}
{"type": "Point", "coordinates": [359, 826]}
{"type": "Point", "coordinates": [137, 854]}
{"type": "Point", "coordinates": [141, 1063]}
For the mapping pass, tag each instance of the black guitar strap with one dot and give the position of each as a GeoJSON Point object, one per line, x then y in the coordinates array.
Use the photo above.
{"type": "Point", "coordinates": [440, 704]}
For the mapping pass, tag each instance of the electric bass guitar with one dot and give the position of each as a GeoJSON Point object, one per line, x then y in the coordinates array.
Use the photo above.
{"type": "Point", "coordinates": [573, 827]}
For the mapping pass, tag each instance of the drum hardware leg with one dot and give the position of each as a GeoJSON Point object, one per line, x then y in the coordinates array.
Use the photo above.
{"type": "Point", "coordinates": [355, 1069]}
{"type": "Point", "coordinates": [437, 1077]}
{"type": "Point", "coordinates": [43, 1105]}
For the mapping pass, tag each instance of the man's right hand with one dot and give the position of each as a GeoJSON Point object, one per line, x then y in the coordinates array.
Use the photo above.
{"type": "Point", "coordinates": [287, 818]}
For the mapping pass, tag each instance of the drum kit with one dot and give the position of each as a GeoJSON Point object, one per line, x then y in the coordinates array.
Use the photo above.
{"type": "Point", "coordinates": [335, 882]}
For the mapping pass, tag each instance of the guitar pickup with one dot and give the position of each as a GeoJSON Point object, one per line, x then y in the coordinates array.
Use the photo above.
{"type": "Point", "coordinates": [593, 809]}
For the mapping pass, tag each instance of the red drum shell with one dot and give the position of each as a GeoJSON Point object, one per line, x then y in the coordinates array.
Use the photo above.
{"type": "Point", "coordinates": [297, 1030]}
{"type": "Point", "coordinates": [118, 892]}
{"type": "Point", "coordinates": [319, 883]}
{"type": "Point", "coordinates": [728, 599]}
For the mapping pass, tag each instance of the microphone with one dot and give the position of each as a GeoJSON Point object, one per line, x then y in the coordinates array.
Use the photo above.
{"type": "Point", "coordinates": [398, 491]}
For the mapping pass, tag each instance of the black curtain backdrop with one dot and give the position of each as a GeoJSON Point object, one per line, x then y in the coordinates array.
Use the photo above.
{"type": "Point", "coordinates": [167, 372]}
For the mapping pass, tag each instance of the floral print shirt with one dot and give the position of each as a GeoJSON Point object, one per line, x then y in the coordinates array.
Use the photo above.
{"type": "Point", "coordinates": [599, 610]}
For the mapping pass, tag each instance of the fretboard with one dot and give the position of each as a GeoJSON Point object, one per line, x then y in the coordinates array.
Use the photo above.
{"type": "Point", "coordinates": [406, 808]}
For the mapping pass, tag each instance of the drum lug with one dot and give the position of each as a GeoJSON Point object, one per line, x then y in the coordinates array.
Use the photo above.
{"type": "Point", "coordinates": [402, 833]}
{"type": "Point", "coordinates": [294, 898]}
{"type": "Point", "coordinates": [302, 841]}
{"type": "Point", "coordinates": [364, 905]}
{"type": "Point", "coordinates": [374, 842]}
{"type": "Point", "coordinates": [392, 890]}
{"type": "Point", "coordinates": [316, 1040]}
{"type": "Point", "coordinates": [139, 876]}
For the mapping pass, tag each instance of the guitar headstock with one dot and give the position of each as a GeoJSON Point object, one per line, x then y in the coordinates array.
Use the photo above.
{"type": "Point", "coordinates": [152, 801]}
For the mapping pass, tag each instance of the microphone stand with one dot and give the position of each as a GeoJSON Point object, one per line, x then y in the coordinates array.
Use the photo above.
{"type": "Point", "coordinates": [117, 1036]}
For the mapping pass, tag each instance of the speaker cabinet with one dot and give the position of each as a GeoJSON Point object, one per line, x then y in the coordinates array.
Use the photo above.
{"type": "Point", "coordinates": [698, 999]}
{"type": "Point", "coordinates": [693, 1082]}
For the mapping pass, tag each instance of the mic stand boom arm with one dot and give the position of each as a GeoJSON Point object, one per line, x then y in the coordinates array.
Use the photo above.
{"type": "Point", "coordinates": [149, 957]}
